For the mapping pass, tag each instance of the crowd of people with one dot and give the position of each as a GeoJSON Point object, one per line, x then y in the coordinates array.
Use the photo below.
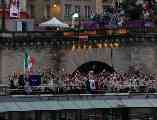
{"type": "Point", "coordinates": [47, 79]}
{"type": "Point", "coordinates": [120, 14]}
{"type": "Point", "coordinates": [131, 81]}
{"type": "Point", "coordinates": [105, 82]}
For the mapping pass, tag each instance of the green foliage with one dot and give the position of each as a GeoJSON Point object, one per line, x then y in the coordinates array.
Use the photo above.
{"type": "Point", "coordinates": [132, 10]}
{"type": "Point", "coordinates": [155, 8]}
{"type": "Point", "coordinates": [125, 4]}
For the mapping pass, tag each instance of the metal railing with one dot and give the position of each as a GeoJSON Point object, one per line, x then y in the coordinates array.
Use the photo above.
{"type": "Point", "coordinates": [31, 34]}
{"type": "Point", "coordinates": [48, 89]}
{"type": "Point", "coordinates": [4, 89]}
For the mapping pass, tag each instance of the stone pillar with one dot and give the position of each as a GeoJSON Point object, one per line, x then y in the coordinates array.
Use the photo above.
{"type": "Point", "coordinates": [10, 116]}
{"type": "Point", "coordinates": [53, 115]}
{"type": "Point", "coordinates": [154, 113]}
{"type": "Point", "coordinates": [77, 114]}
{"type": "Point", "coordinates": [38, 115]}
{"type": "Point", "coordinates": [1, 65]}
{"type": "Point", "coordinates": [56, 59]}
{"type": "Point", "coordinates": [125, 113]}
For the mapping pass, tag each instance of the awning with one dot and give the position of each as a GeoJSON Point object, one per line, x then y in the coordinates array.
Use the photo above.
{"type": "Point", "coordinates": [68, 104]}
{"type": "Point", "coordinates": [83, 104]}
{"type": "Point", "coordinates": [100, 104]}
{"type": "Point", "coordinates": [8, 106]}
{"type": "Point", "coordinates": [24, 106]}
{"type": "Point", "coordinates": [137, 103]}
{"type": "Point", "coordinates": [153, 102]}
{"type": "Point", "coordinates": [54, 105]}
{"type": "Point", "coordinates": [54, 22]}
{"type": "Point", "coordinates": [39, 105]}
{"type": "Point", "coordinates": [75, 104]}
{"type": "Point", "coordinates": [2, 108]}
{"type": "Point", "coordinates": [114, 103]}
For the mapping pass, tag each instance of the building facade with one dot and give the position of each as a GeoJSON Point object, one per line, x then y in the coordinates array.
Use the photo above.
{"type": "Point", "coordinates": [101, 5]}
{"type": "Point", "coordinates": [85, 8]}
{"type": "Point", "coordinates": [66, 55]}
{"type": "Point", "coordinates": [42, 10]}
{"type": "Point", "coordinates": [20, 22]}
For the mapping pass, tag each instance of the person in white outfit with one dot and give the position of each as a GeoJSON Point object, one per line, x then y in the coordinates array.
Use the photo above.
{"type": "Point", "coordinates": [27, 88]}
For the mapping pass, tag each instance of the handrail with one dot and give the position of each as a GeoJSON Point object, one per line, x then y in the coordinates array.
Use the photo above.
{"type": "Point", "coordinates": [48, 89]}
{"type": "Point", "coordinates": [3, 89]}
{"type": "Point", "coordinates": [10, 34]}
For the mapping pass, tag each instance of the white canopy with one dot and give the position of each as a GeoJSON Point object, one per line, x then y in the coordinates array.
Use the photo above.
{"type": "Point", "coordinates": [54, 22]}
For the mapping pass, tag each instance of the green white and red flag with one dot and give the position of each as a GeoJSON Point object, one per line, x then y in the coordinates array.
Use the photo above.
{"type": "Point", "coordinates": [29, 61]}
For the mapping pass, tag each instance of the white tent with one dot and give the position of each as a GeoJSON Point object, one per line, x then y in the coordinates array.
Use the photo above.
{"type": "Point", "coordinates": [54, 22]}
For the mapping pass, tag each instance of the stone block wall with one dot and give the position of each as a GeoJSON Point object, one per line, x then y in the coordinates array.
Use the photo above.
{"type": "Point", "coordinates": [68, 60]}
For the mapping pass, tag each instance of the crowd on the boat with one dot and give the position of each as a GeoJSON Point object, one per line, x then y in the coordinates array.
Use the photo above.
{"type": "Point", "coordinates": [105, 82]}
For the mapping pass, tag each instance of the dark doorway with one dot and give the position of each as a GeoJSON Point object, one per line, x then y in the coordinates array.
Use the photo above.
{"type": "Point", "coordinates": [24, 26]}
{"type": "Point", "coordinates": [95, 66]}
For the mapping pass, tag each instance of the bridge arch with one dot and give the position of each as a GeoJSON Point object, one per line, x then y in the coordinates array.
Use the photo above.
{"type": "Point", "coordinates": [95, 66]}
{"type": "Point", "coordinates": [72, 59]}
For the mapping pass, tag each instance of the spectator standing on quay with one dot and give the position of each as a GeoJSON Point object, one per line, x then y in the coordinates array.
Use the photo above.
{"type": "Point", "coordinates": [91, 80]}
{"type": "Point", "coordinates": [12, 85]}
{"type": "Point", "coordinates": [87, 84]}
{"type": "Point", "coordinates": [27, 88]}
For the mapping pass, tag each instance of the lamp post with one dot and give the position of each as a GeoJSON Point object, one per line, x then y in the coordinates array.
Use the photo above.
{"type": "Point", "coordinates": [3, 15]}
{"type": "Point", "coordinates": [75, 17]}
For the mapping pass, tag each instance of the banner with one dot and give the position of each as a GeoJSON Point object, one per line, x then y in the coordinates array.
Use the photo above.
{"type": "Point", "coordinates": [35, 80]}
{"type": "Point", "coordinates": [14, 9]}
{"type": "Point", "coordinates": [83, 39]}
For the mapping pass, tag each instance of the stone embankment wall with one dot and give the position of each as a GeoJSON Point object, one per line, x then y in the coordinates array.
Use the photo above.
{"type": "Point", "coordinates": [67, 60]}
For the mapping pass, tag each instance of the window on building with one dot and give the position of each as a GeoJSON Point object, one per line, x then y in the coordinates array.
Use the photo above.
{"type": "Point", "coordinates": [0, 3]}
{"type": "Point", "coordinates": [47, 11]}
{"type": "Point", "coordinates": [67, 10]}
{"type": "Point", "coordinates": [87, 11]}
{"type": "Point", "coordinates": [7, 3]}
{"type": "Point", "coordinates": [32, 12]}
{"type": "Point", "coordinates": [77, 9]}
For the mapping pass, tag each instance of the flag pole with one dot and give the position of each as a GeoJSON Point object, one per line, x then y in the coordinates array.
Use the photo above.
{"type": "Point", "coordinates": [24, 65]}
{"type": "Point", "coordinates": [25, 62]}
{"type": "Point", "coordinates": [3, 15]}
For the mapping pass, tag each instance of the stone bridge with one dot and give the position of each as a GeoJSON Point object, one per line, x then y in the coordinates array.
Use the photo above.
{"type": "Point", "coordinates": [67, 61]}
{"type": "Point", "coordinates": [140, 51]}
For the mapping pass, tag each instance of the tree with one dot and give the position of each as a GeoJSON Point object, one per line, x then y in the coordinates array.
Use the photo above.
{"type": "Point", "coordinates": [132, 10]}
{"type": "Point", "coordinates": [139, 9]}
